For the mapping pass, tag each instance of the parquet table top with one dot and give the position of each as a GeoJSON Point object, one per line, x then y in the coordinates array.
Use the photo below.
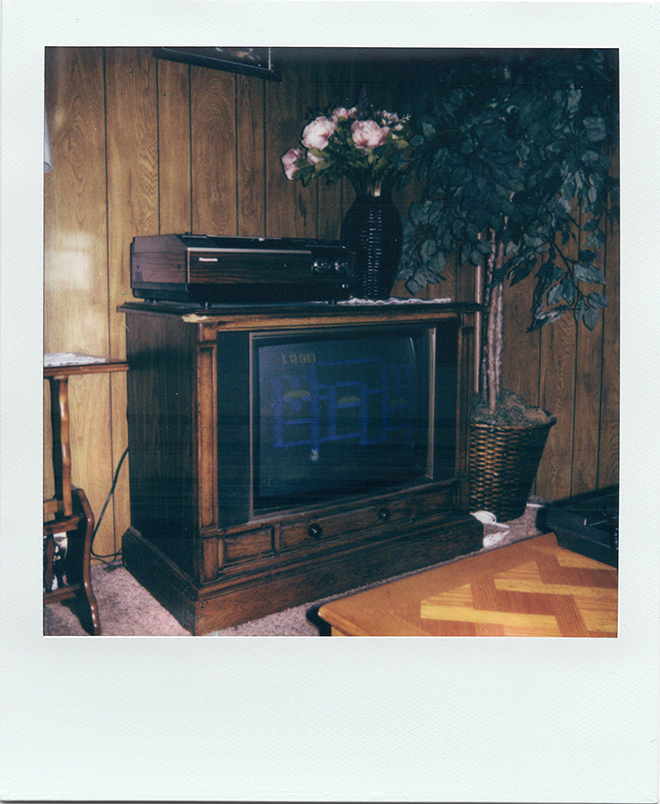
{"type": "Point", "coordinates": [531, 588]}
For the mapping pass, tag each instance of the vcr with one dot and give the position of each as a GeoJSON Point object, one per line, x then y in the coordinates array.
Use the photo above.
{"type": "Point", "coordinates": [239, 270]}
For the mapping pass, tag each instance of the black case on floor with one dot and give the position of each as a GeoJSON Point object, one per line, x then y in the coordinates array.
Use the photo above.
{"type": "Point", "coordinates": [587, 524]}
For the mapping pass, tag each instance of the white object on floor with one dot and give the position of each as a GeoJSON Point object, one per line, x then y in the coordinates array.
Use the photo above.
{"type": "Point", "coordinates": [493, 538]}
{"type": "Point", "coordinates": [488, 518]}
{"type": "Point", "coordinates": [61, 543]}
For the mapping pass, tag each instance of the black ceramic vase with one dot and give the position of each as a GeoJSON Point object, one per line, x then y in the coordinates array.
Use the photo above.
{"type": "Point", "coordinates": [372, 229]}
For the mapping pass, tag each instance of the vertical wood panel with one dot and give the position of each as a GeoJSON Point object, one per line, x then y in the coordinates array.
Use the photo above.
{"type": "Point", "coordinates": [557, 395]}
{"type": "Point", "coordinates": [132, 160]}
{"type": "Point", "coordinates": [174, 147]}
{"type": "Point", "coordinates": [608, 469]}
{"type": "Point", "coordinates": [291, 209]}
{"type": "Point", "coordinates": [333, 87]}
{"type": "Point", "coordinates": [521, 350]}
{"type": "Point", "coordinates": [250, 156]}
{"type": "Point", "coordinates": [213, 126]}
{"type": "Point", "coordinates": [588, 367]}
{"type": "Point", "coordinates": [75, 261]}
{"type": "Point", "coordinates": [75, 303]}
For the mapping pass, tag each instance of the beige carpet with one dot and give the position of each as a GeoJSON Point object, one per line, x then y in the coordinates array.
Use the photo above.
{"type": "Point", "coordinates": [127, 609]}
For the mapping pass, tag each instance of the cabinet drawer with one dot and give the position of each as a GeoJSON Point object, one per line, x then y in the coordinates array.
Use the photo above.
{"type": "Point", "coordinates": [337, 525]}
{"type": "Point", "coordinates": [245, 546]}
{"type": "Point", "coordinates": [433, 502]}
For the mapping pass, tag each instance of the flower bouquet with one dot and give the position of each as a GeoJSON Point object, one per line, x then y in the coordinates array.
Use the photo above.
{"type": "Point", "coordinates": [371, 148]}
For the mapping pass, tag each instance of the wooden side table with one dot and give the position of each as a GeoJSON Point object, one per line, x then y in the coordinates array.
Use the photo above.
{"type": "Point", "coordinates": [530, 588]}
{"type": "Point", "coordinates": [69, 510]}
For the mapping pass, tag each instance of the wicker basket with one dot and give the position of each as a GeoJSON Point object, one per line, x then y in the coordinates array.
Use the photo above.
{"type": "Point", "coordinates": [503, 463]}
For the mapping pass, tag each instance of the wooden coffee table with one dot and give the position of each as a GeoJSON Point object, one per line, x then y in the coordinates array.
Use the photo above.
{"type": "Point", "coordinates": [530, 588]}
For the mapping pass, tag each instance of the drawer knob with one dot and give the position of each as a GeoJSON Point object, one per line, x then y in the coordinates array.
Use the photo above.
{"type": "Point", "coordinates": [384, 514]}
{"type": "Point", "coordinates": [315, 530]}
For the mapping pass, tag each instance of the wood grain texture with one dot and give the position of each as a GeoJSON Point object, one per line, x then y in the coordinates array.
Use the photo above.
{"type": "Point", "coordinates": [291, 209]}
{"type": "Point", "coordinates": [521, 352]}
{"type": "Point", "coordinates": [589, 359]}
{"type": "Point", "coordinates": [133, 209]}
{"type": "Point", "coordinates": [75, 269]}
{"type": "Point", "coordinates": [75, 298]}
{"type": "Point", "coordinates": [558, 354]}
{"type": "Point", "coordinates": [334, 83]}
{"type": "Point", "coordinates": [132, 165]}
{"type": "Point", "coordinates": [558, 397]}
{"type": "Point", "coordinates": [608, 464]}
{"type": "Point", "coordinates": [213, 133]}
{"type": "Point", "coordinates": [250, 134]}
{"type": "Point", "coordinates": [533, 588]}
{"type": "Point", "coordinates": [175, 212]}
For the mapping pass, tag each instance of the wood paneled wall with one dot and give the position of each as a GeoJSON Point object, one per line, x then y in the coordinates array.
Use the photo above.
{"type": "Point", "coordinates": [143, 146]}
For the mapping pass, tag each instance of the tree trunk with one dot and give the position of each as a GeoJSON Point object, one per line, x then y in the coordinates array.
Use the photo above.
{"type": "Point", "coordinates": [492, 354]}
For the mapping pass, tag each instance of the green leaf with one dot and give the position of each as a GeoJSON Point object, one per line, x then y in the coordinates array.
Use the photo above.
{"type": "Point", "coordinates": [590, 317]}
{"type": "Point", "coordinates": [568, 290]}
{"type": "Point", "coordinates": [597, 240]}
{"type": "Point", "coordinates": [586, 256]}
{"type": "Point", "coordinates": [414, 285]}
{"type": "Point", "coordinates": [597, 300]}
{"type": "Point", "coordinates": [573, 102]}
{"type": "Point", "coordinates": [472, 232]}
{"type": "Point", "coordinates": [428, 250]}
{"type": "Point", "coordinates": [556, 294]}
{"type": "Point", "coordinates": [595, 128]}
{"type": "Point", "coordinates": [428, 130]}
{"type": "Point", "coordinates": [588, 273]}
{"type": "Point", "coordinates": [415, 214]}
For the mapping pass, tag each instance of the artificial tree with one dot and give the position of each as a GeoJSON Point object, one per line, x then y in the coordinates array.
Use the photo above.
{"type": "Point", "coordinates": [514, 151]}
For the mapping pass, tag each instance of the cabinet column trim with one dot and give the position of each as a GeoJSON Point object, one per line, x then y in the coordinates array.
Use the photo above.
{"type": "Point", "coordinates": [207, 441]}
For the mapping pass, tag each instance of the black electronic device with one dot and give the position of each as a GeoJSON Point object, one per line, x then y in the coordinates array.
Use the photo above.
{"type": "Point", "coordinates": [587, 523]}
{"type": "Point", "coordinates": [239, 270]}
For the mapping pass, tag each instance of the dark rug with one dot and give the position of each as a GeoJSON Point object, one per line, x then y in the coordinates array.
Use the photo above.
{"type": "Point", "coordinates": [127, 609]}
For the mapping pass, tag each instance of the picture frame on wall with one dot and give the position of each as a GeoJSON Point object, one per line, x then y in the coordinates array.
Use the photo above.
{"type": "Point", "coordinates": [256, 61]}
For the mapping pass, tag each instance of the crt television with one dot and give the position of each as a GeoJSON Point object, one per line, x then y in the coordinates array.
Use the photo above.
{"type": "Point", "coordinates": [309, 416]}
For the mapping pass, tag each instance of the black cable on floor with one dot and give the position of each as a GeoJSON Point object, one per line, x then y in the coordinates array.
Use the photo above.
{"type": "Point", "coordinates": [112, 556]}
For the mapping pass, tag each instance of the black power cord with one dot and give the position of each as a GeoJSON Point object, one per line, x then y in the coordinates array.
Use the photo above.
{"type": "Point", "coordinates": [113, 556]}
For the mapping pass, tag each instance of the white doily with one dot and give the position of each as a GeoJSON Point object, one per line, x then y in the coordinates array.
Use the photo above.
{"type": "Point", "coordinates": [394, 300]}
{"type": "Point", "coordinates": [71, 359]}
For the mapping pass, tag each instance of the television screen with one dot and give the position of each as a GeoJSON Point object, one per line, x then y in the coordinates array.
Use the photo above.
{"type": "Point", "coordinates": [339, 414]}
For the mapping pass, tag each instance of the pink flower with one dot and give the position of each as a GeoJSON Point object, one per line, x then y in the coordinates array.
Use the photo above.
{"type": "Point", "coordinates": [318, 132]}
{"type": "Point", "coordinates": [342, 113]}
{"type": "Point", "coordinates": [368, 134]}
{"type": "Point", "coordinates": [289, 162]}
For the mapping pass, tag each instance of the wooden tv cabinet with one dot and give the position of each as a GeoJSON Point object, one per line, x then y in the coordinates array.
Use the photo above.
{"type": "Point", "coordinates": [211, 577]}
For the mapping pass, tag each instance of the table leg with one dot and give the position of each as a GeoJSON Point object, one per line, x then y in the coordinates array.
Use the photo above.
{"type": "Point", "coordinates": [59, 415]}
